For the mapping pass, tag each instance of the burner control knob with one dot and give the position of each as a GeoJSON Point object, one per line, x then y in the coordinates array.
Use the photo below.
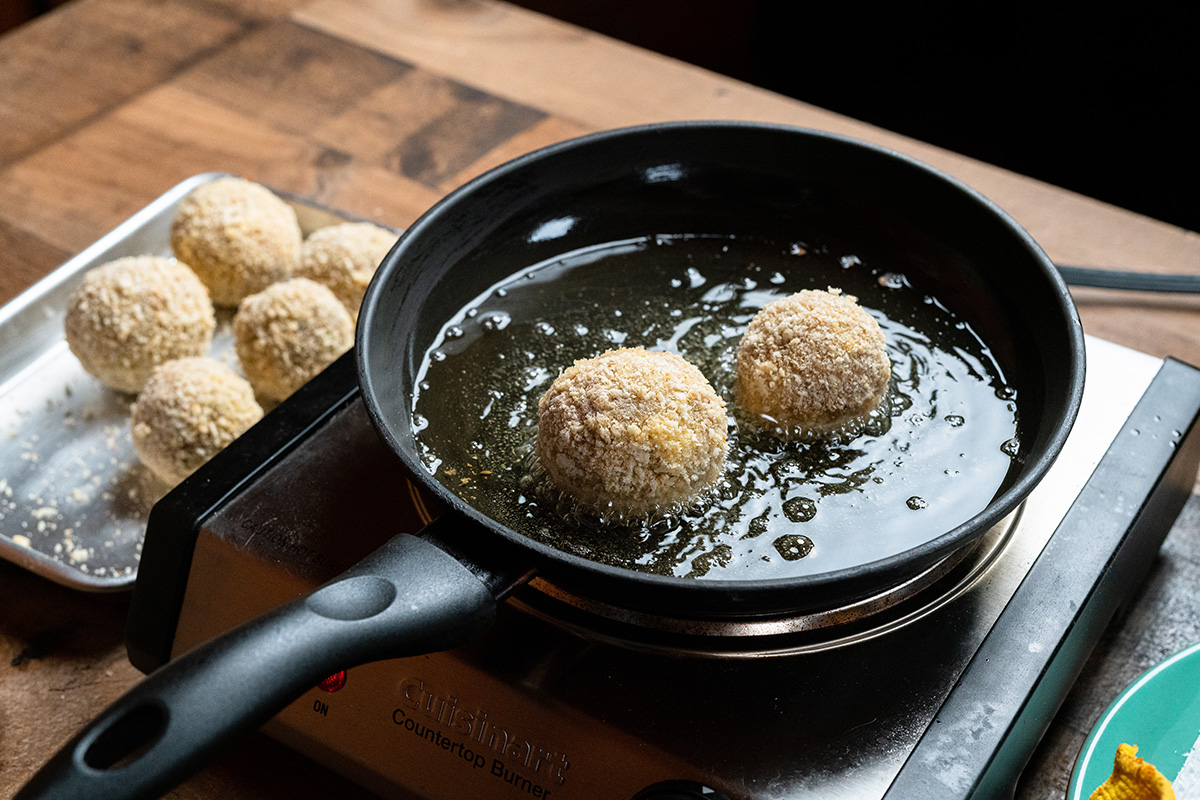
{"type": "Point", "coordinates": [679, 790]}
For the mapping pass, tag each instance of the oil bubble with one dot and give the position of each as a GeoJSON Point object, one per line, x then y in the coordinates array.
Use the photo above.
{"type": "Point", "coordinates": [799, 509]}
{"type": "Point", "coordinates": [793, 546]}
{"type": "Point", "coordinates": [497, 321]}
{"type": "Point", "coordinates": [916, 503]}
{"type": "Point", "coordinates": [955, 420]}
{"type": "Point", "coordinates": [454, 332]}
{"type": "Point", "coordinates": [719, 556]}
{"type": "Point", "coordinates": [1011, 447]}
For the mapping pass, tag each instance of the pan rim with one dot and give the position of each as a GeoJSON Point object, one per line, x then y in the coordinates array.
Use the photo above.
{"type": "Point", "coordinates": [543, 555]}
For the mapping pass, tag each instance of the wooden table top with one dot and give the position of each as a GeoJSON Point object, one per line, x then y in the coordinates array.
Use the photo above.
{"type": "Point", "coordinates": [380, 107]}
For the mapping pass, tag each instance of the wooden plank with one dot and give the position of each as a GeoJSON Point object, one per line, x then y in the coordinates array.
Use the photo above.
{"type": "Point", "coordinates": [425, 127]}
{"type": "Point", "coordinates": [24, 258]}
{"type": "Point", "coordinates": [563, 70]}
{"type": "Point", "coordinates": [291, 78]}
{"type": "Point", "coordinates": [74, 191]}
{"type": "Point", "coordinates": [89, 56]}
{"type": "Point", "coordinates": [378, 141]}
{"type": "Point", "coordinates": [360, 101]}
{"type": "Point", "coordinates": [547, 132]}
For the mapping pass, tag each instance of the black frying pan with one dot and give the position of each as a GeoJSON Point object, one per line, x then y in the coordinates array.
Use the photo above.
{"type": "Point", "coordinates": [418, 595]}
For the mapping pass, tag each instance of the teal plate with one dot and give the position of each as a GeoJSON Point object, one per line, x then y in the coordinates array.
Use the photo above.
{"type": "Point", "coordinates": [1159, 713]}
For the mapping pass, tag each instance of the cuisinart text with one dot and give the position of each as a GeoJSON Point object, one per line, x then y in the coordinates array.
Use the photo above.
{"type": "Point", "coordinates": [484, 739]}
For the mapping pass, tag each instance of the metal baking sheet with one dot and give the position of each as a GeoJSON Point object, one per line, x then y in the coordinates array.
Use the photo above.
{"type": "Point", "coordinates": [74, 499]}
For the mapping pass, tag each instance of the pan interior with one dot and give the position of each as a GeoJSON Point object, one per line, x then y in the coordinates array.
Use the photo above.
{"type": "Point", "coordinates": [613, 205]}
{"type": "Point", "coordinates": [936, 453]}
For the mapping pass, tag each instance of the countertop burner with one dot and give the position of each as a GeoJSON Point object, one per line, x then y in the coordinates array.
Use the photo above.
{"type": "Point", "coordinates": [938, 688]}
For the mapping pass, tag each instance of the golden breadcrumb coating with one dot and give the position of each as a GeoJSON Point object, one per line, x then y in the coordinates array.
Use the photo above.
{"type": "Point", "coordinates": [238, 237]}
{"type": "Point", "coordinates": [189, 411]}
{"type": "Point", "coordinates": [1133, 779]}
{"type": "Point", "coordinates": [343, 258]}
{"type": "Point", "coordinates": [128, 316]}
{"type": "Point", "coordinates": [632, 433]}
{"type": "Point", "coordinates": [812, 363]}
{"type": "Point", "coordinates": [287, 333]}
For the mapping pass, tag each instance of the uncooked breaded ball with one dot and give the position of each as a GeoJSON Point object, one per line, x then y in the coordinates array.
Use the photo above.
{"type": "Point", "coordinates": [238, 237]}
{"type": "Point", "coordinates": [632, 433]}
{"type": "Point", "coordinates": [343, 258]}
{"type": "Point", "coordinates": [128, 316]}
{"type": "Point", "coordinates": [812, 363]}
{"type": "Point", "coordinates": [190, 410]}
{"type": "Point", "coordinates": [287, 333]}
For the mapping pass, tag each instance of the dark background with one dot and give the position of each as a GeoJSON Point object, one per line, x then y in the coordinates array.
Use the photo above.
{"type": "Point", "coordinates": [1101, 102]}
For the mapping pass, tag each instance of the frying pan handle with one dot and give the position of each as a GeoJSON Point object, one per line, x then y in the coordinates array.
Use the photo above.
{"type": "Point", "coordinates": [407, 598]}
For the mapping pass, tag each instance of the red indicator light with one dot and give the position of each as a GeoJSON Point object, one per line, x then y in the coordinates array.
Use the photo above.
{"type": "Point", "coordinates": [333, 682]}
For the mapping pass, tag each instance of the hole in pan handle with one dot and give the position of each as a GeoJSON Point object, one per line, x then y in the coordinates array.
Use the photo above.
{"type": "Point", "coordinates": [408, 597]}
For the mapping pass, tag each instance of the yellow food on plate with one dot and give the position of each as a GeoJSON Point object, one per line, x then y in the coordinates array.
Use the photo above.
{"type": "Point", "coordinates": [238, 236]}
{"type": "Point", "coordinates": [287, 333]}
{"type": "Point", "coordinates": [127, 317]}
{"type": "Point", "coordinates": [344, 258]}
{"type": "Point", "coordinates": [189, 411]}
{"type": "Point", "coordinates": [1133, 779]}
{"type": "Point", "coordinates": [812, 364]}
{"type": "Point", "coordinates": [631, 433]}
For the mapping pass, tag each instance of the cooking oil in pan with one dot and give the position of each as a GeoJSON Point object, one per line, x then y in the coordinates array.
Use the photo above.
{"type": "Point", "coordinates": [935, 454]}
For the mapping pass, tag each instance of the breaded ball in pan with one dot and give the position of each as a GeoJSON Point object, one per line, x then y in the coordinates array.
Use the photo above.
{"type": "Point", "coordinates": [343, 258]}
{"type": "Point", "coordinates": [812, 364]}
{"type": "Point", "coordinates": [287, 333]}
{"type": "Point", "coordinates": [238, 236]}
{"type": "Point", "coordinates": [189, 411]}
{"type": "Point", "coordinates": [632, 433]}
{"type": "Point", "coordinates": [128, 316]}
